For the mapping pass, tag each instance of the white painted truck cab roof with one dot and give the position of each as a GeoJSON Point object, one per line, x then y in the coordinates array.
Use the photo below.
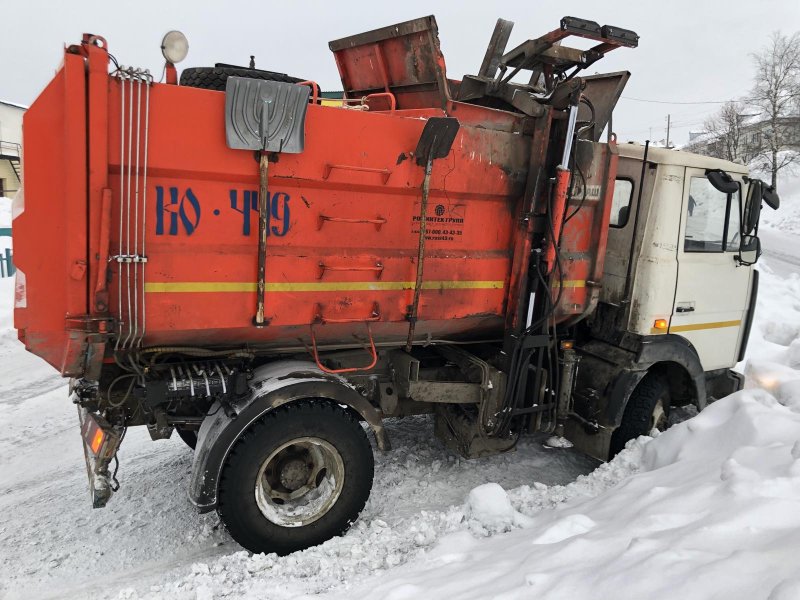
{"type": "Point", "coordinates": [679, 158]}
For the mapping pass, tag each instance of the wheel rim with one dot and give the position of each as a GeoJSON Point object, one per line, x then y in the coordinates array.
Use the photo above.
{"type": "Point", "coordinates": [299, 482]}
{"type": "Point", "coordinates": [658, 420]}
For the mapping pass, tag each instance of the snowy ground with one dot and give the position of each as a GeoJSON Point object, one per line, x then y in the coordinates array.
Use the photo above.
{"type": "Point", "coordinates": [710, 509]}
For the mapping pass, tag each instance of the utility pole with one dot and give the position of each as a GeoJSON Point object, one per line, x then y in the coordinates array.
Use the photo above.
{"type": "Point", "coordinates": [668, 123]}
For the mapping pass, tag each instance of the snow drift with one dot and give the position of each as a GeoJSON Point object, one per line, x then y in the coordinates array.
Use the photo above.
{"type": "Point", "coordinates": [714, 512]}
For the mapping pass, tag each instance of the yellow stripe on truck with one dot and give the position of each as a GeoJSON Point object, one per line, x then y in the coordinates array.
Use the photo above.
{"type": "Point", "coordinates": [178, 287]}
{"type": "Point", "coordinates": [570, 283]}
{"type": "Point", "coordinates": [697, 327]}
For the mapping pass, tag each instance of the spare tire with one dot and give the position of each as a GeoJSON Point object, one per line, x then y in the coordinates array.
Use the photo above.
{"type": "Point", "coordinates": [214, 78]}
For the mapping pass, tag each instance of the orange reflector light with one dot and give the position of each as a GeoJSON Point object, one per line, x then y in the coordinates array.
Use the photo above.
{"type": "Point", "coordinates": [660, 324]}
{"type": "Point", "coordinates": [97, 440]}
{"type": "Point", "coordinates": [567, 344]}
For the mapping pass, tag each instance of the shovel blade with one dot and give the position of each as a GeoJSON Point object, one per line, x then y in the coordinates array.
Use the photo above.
{"type": "Point", "coordinates": [436, 139]}
{"type": "Point", "coordinates": [265, 115]}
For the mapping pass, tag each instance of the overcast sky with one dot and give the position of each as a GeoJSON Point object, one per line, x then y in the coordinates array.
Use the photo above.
{"type": "Point", "coordinates": [689, 51]}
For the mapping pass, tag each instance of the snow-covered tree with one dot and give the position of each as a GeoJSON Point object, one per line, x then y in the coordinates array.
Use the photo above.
{"type": "Point", "coordinates": [725, 127]}
{"type": "Point", "coordinates": [775, 92]}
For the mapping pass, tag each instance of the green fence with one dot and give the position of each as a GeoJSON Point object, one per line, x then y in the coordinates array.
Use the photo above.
{"type": "Point", "coordinates": [6, 257]}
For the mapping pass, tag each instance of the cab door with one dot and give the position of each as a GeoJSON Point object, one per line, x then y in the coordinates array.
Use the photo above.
{"type": "Point", "coordinates": [712, 288]}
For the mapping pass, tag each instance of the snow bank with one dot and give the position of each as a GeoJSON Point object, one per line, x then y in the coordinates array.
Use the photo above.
{"type": "Point", "coordinates": [773, 352]}
{"type": "Point", "coordinates": [714, 511]}
{"type": "Point", "coordinates": [787, 217]}
{"type": "Point", "coordinates": [488, 510]}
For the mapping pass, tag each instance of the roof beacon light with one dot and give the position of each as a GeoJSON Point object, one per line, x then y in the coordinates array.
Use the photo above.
{"type": "Point", "coordinates": [174, 47]}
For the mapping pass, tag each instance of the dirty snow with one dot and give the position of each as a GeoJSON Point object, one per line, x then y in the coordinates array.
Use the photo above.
{"type": "Point", "coordinates": [709, 509]}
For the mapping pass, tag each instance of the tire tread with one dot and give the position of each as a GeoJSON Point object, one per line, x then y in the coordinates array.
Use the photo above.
{"type": "Point", "coordinates": [215, 78]}
{"type": "Point", "coordinates": [283, 540]}
{"type": "Point", "coordinates": [638, 411]}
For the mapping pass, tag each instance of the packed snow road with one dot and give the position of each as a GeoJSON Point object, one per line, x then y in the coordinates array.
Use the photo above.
{"type": "Point", "coordinates": [781, 250]}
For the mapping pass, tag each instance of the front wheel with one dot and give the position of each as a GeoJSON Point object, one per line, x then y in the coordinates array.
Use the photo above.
{"type": "Point", "coordinates": [296, 478]}
{"type": "Point", "coordinates": [647, 409]}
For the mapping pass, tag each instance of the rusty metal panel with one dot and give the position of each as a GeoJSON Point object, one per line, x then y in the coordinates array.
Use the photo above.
{"type": "Point", "coordinates": [585, 233]}
{"type": "Point", "coordinates": [447, 392]}
{"type": "Point", "coordinates": [603, 91]}
{"type": "Point", "coordinates": [404, 60]}
{"type": "Point", "coordinates": [50, 237]}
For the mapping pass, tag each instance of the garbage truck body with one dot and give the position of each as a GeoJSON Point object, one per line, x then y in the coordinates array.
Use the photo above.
{"type": "Point", "coordinates": [260, 268]}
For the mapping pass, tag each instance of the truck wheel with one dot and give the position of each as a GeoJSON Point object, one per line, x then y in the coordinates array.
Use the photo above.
{"type": "Point", "coordinates": [647, 409]}
{"type": "Point", "coordinates": [296, 478]}
{"type": "Point", "coordinates": [215, 78]}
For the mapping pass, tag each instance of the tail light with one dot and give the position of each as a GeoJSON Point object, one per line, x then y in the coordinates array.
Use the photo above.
{"type": "Point", "coordinates": [20, 291]}
{"type": "Point", "coordinates": [100, 438]}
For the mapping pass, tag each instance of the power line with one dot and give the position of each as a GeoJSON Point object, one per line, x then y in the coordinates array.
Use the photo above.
{"type": "Point", "coordinates": [679, 125]}
{"type": "Point", "coordinates": [667, 102]}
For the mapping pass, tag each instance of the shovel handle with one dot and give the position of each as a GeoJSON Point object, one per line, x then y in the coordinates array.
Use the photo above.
{"type": "Point", "coordinates": [263, 216]}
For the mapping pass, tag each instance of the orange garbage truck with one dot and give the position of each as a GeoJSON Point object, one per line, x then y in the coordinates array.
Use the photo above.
{"type": "Point", "coordinates": [236, 258]}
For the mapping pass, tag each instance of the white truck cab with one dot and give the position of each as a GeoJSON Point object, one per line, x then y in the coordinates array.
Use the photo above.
{"type": "Point", "coordinates": [687, 279]}
{"type": "Point", "coordinates": [679, 288]}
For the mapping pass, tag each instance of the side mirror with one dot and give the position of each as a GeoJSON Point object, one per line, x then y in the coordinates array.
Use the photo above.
{"type": "Point", "coordinates": [752, 207]}
{"type": "Point", "coordinates": [749, 251]}
{"type": "Point", "coordinates": [722, 181]}
{"type": "Point", "coordinates": [771, 197]}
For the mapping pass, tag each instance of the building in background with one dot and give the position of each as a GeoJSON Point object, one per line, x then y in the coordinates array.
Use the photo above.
{"type": "Point", "coordinates": [751, 139]}
{"type": "Point", "coordinates": [10, 176]}
{"type": "Point", "coordinates": [10, 147]}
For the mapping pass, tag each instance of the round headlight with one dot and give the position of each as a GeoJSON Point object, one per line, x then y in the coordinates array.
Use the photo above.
{"type": "Point", "coordinates": [174, 46]}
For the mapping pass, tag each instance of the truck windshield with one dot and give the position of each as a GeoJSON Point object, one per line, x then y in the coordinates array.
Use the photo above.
{"type": "Point", "coordinates": [712, 218]}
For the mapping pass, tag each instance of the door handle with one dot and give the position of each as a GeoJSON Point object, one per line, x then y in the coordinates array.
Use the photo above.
{"type": "Point", "coordinates": [684, 309]}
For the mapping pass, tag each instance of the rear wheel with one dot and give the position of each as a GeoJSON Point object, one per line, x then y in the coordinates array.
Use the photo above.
{"type": "Point", "coordinates": [647, 409]}
{"type": "Point", "coordinates": [296, 478]}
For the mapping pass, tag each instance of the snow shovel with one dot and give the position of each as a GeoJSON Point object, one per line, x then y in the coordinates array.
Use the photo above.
{"type": "Point", "coordinates": [435, 142]}
{"type": "Point", "coordinates": [265, 116]}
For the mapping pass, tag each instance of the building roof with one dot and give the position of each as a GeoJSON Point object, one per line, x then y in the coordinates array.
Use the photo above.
{"type": "Point", "coordinates": [679, 157]}
{"type": "Point", "coordinates": [13, 104]}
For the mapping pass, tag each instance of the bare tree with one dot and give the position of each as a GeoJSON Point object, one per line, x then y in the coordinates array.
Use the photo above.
{"type": "Point", "coordinates": [725, 127]}
{"type": "Point", "coordinates": [775, 93]}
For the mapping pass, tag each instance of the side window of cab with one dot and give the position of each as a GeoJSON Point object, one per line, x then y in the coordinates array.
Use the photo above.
{"type": "Point", "coordinates": [621, 203]}
{"type": "Point", "coordinates": [712, 218]}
